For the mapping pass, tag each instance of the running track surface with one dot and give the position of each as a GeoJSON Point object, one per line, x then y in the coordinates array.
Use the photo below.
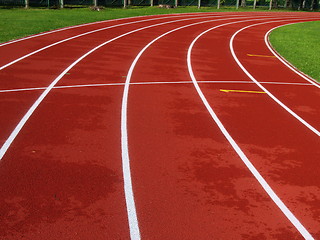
{"type": "Point", "coordinates": [126, 129]}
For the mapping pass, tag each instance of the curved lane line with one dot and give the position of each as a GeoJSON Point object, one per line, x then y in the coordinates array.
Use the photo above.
{"type": "Point", "coordinates": [266, 40]}
{"type": "Point", "coordinates": [314, 130]}
{"type": "Point", "coordinates": [90, 32]}
{"type": "Point", "coordinates": [240, 153]}
{"type": "Point", "coordinates": [145, 83]}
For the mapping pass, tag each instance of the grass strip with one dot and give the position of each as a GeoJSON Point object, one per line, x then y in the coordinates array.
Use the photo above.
{"type": "Point", "coordinates": [18, 22]}
{"type": "Point", "coordinates": [299, 44]}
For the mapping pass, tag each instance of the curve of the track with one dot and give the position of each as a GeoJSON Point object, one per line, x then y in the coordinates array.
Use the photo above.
{"type": "Point", "coordinates": [61, 176]}
{"type": "Point", "coordinates": [44, 70]}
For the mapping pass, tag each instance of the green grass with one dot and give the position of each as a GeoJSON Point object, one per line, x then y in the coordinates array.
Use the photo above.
{"type": "Point", "coordinates": [16, 23]}
{"type": "Point", "coordinates": [300, 45]}
{"type": "Point", "coordinates": [19, 22]}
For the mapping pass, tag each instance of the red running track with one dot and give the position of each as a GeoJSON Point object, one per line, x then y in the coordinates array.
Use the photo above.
{"type": "Point", "coordinates": [120, 130]}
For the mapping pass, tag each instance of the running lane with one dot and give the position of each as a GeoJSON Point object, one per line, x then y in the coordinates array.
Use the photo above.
{"type": "Point", "coordinates": [62, 176]}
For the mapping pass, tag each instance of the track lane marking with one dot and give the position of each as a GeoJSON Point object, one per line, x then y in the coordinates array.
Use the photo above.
{"type": "Point", "coordinates": [239, 91]}
{"type": "Point", "coordinates": [267, 42]}
{"type": "Point", "coordinates": [240, 153]}
{"type": "Point", "coordinates": [147, 83]}
{"type": "Point", "coordinates": [263, 56]}
{"type": "Point", "coordinates": [305, 123]}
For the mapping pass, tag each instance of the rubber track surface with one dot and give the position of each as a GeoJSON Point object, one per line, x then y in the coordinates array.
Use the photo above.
{"type": "Point", "coordinates": [63, 171]}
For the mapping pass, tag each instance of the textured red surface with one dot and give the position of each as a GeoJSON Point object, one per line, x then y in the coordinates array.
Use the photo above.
{"type": "Point", "coordinates": [62, 178]}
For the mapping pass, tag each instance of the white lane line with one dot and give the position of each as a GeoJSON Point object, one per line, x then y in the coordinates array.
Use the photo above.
{"type": "Point", "coordinates": [147, 83]}
{"type": "Point", "coordinates": [90, 32]}
{"type": "Point", "coordinates": [241, 154]}
{"type": "Point", "coordinates": [287, 83]}
{"type": "Point", "coordinates": [267, 42]}
{"type": "Point", "coordinates": [305, 123]}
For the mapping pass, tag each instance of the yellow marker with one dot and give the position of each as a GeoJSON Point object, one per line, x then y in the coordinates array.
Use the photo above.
{"type": "Point", "coordinates": [240, 91]}
{"type": "Point", "coordinates": [254, 55]}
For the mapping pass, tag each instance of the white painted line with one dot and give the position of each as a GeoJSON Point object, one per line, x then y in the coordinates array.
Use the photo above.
{"type": "Point", "coordinates": [271, 83]}
{"type": "Point", "coordinates": [21, 89]}
{"type": "Point", "coordinates": [305, 123]}
{"type": "Point", "coordinates": [287, 83]}
{"type": "Point", "coordinates": [149, 83]}
{"type": "Point", "coordinates": [131, 209]}
{"type": "Point", "coordinates": [266, 40]}
{"type": "Point", "coordinates": [241, 154]}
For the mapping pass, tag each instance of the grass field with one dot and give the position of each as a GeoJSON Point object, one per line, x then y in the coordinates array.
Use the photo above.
{"type": "Point", "coordinates": [298, 43]}
{"type": "Point", "coordinates": [25, 22]}
{"type": "Point", "coordinates": [19, 22]}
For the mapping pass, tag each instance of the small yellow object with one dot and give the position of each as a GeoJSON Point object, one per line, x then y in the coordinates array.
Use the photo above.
{"type": "Point", "coordinates": [240, 91]}
{"type": "Point", "coordinates": [255, 55]}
